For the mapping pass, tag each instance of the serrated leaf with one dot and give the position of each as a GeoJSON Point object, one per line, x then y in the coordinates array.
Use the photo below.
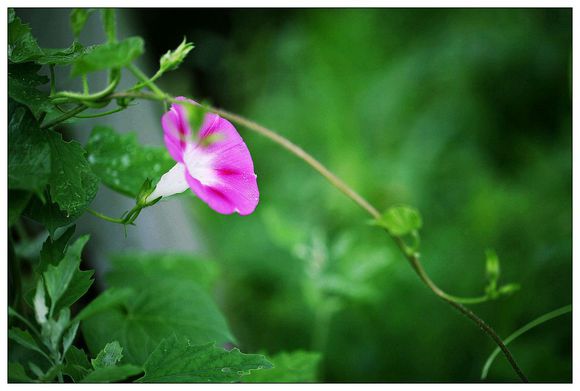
{"type": "Point", "coordinates": [29, 160]}
{"type": "Point", "coordinates": [63, 56]}
{"type": "Point", "coordinates": [401, 220]}
{"type": "Point", "coordinates": [23, 82]}
{"type": "Point", "coordinates": [22, 46]}
{"type": "Point", "coordinates": [293, 367]}
{"type": "Point", "coordinates": [24, 338]}
{"type": "Point", "coordinates": [72, 183]}
{"type": "Point", "coordinates": [177, 361]}
{"type": "Point", "coordinates": [58, 278]}
{"type": "Point", "coordinates": [17, 201]}
{"type": "Point", "coordinates": [112, 297]}
{"type": "Point", "coordinates": [53, 329]}
{"type": "Point", "coordinates": [51, 374]}
{"type": "Point", "coordinates": [17, 373]}
{"type": "Point", "coordinates": [108, 56]}
{"type": "Point", "coordinates": [69, 336]}
{"type": "Point", "coordinates": [53, 249]}
{"type": "Point", "coordinates": [78, 19]}
{"type": "Point", "coordinates": [109, 356]}
{"type": "Point", "coordinates": [122, 163]}
{"type": "Point", "coordinates": [77, 364]}
{"type": "Point", "coordinates": [159, 308]}
{"type": "Point", "coordinates": [112, 374]}
{"type": "Point", "coordinates": [78, 287]}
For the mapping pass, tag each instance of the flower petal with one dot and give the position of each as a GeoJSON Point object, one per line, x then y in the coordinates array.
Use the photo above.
{"type": "Point", "coordinates": [222, 173]}
{"type": "Point", "coordinates": [176, 130]}
{"type": "Point", "coordinates": [172, 182]}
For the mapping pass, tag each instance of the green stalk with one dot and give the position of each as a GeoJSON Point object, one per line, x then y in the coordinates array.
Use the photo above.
{"type": "Point", "coordinates": [65, 116]}
{"type": "Point", "coordinates": [536, 322]}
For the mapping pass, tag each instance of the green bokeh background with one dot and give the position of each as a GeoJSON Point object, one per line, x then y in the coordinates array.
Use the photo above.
{"type": "Point", "coordinates": [463, 113]}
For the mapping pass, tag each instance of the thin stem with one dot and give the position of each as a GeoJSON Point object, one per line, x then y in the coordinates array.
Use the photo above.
{"type": "Point", "coordinates": [142, 84]}
{"type": "Point", "coordinates": [105, 217]}
{"type": "Point", "coordinates": [147, 81]}
{"type": "Point", "coordinates": [85, 85]}
{"type": "Point", "coordinates": [536, 322]}
{"type": "Point", "coordinates": [52, 80]}
{"type": "Point", "coordinates": [416, 264]}
{"type": "Point", "coordinates": [65, 116]}
{"type": "Point", "coordinates": [103, 114]}
{"type": "Point", "coordinates": [67, 96]}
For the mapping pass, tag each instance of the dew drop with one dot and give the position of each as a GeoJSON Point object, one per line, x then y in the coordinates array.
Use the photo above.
{"type": "Point", "coordinates": [125, 161]}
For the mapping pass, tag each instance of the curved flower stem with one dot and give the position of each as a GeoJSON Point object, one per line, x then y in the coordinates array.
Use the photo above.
{"type": "Point", "coordinates": [68, 96]}
{"type": "Point", "coordinates": [105, 217]}
{"type": "Point", "coordinates": [358, 199]}
{"type": "Point", "coordinates": [65, 116]}
{"type": "Point", "coordinates": [145, 81]}
{"type": "Point", "coordinates": [103, 114]}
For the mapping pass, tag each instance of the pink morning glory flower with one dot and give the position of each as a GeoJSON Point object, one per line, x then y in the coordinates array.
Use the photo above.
{"type": "Point", "coordinates": [216, 165]}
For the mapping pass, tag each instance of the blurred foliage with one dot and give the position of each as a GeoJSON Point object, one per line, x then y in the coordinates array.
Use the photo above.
{"type": "Point", "coordinates": [463, 113]}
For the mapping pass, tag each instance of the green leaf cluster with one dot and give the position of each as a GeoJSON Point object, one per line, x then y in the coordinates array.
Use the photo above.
{"type": "Point", "coordinates": [122, 163]}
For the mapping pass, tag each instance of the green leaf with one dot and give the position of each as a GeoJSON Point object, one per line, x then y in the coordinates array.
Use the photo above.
{"type": "Point", "coordinates": [77, 364]}
{"type": "Point", "coordinates": [23, 80]}
{"type": "Point", "coordinates": [78, 287]}
{"type": "Point", "coordinates": [49, 214]}
{"type": "Point", "coordinates": [294, 367]}
{"type": "Point", "coordinates": [177, 361]}
{"type": "Point", "coordinates": [17, 374]}
{"type": "Point", "coordinates": [109, 23]}
{"type": "Point", "coordinates": [11, 15]}
{"type": "Point", "coordinates": [122, 163]}
{"type": "Point", "coordinates": [22, 45]}
{"type": "Point", "coordinates": [69, 337]}
{"type": "Point", "coordinates": [78, 19]}
{"type": "Point", "coordinates": [172, 266]}
{"type": "Point", "coordinates": [53, 329]}
{"type": "Point", "coordinates": [72, 183]}
{"type": "Point", "coordinates": [112, 374]}
{"type": "Point", "coordinates": [112, 297]}
{"type": "Point", "coordinates": [108, 56]}
{"type": "Point", "coordinates": [58, 278]}
{"type": "Point", "coordinates": [51, 374]}
{"type": "Point", "coordinates": [29, 161]}
{"type": "Point", "coordinates": [401, 220]}
{"type": "Point", "coordinates": [109, 356]}
{"type": "Point", "coordinates": [63, 56]}
{"type": "Point", "coordinates": [17, 201]}
{"type": "Point", "coordinates": [24, 338]}
{"type": "Point", "coordinates": [53, 249]}
{"type": "Point", "coordinates": [160, 308]}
